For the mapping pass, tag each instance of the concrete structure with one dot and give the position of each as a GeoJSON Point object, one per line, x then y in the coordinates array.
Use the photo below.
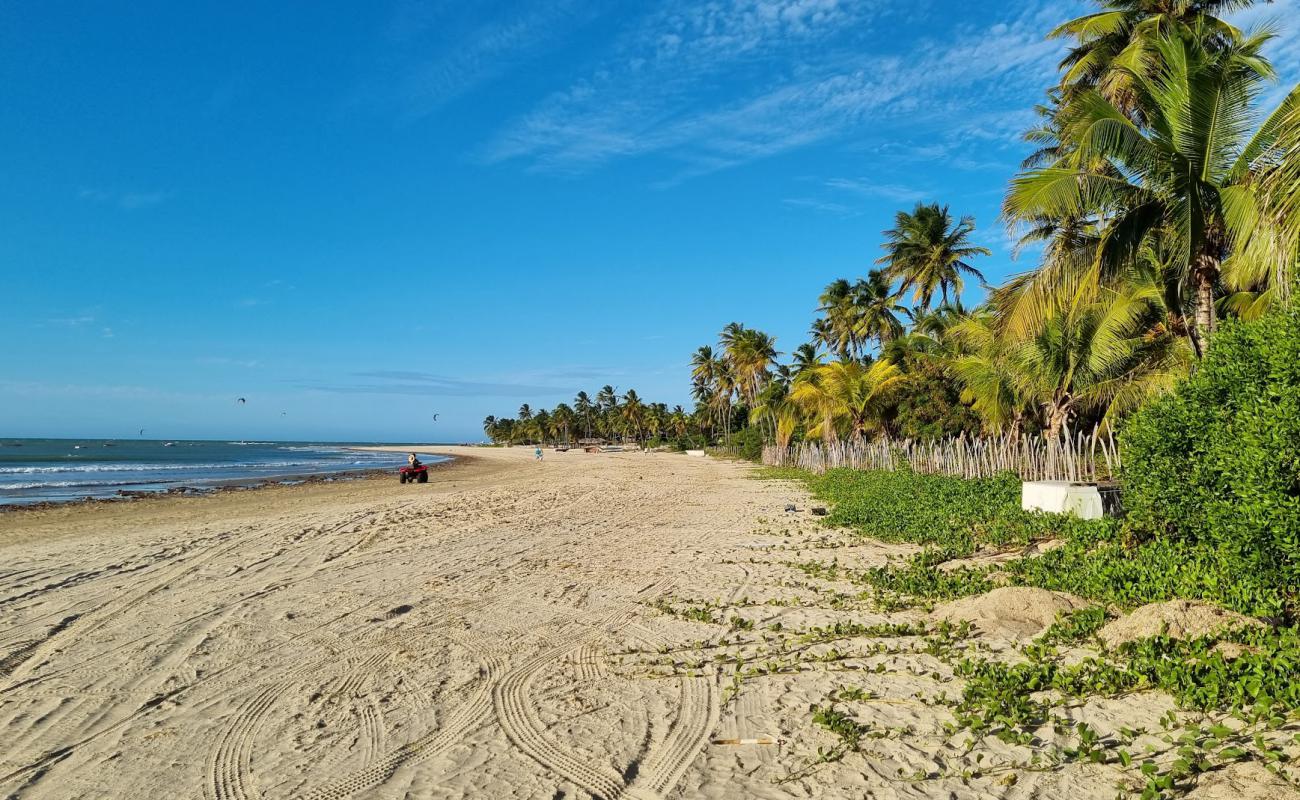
{"type": "Point", "coordinates": [1061, 497]}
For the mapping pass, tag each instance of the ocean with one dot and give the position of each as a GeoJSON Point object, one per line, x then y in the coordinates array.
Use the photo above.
{"type": "Point", "coordinates": [60, 470]}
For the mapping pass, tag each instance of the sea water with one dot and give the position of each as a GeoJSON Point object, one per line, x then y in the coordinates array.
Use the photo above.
{"type": "Point", "coordinates": [59, 470]}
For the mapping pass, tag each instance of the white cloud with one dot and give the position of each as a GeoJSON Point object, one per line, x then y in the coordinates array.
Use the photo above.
{"type": "Point", "coordinates": [889, 191]}
{"type": "Point", "coordinates": [662, 92]}
{"type": "Point", "coordinates": [128, 201]}
{"type": "Point", "coordinates": [838, 209]}
{"type": "Point", "coordinates": [436, 52]}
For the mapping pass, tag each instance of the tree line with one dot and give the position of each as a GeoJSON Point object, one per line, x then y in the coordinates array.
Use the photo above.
{"type": "Point", "coordinates": [1162, 197]}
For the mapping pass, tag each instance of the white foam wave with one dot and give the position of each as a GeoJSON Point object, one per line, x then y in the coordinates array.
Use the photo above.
{"type": "Point", "coordinates": [160, 467]}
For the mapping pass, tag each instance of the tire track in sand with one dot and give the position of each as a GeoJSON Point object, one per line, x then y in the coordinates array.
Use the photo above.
{"type": "Point", "coordinates": [229, 766]}
{"type": "Point", "coordinates": [473, 712]}
{"type": "Point", "coordinates": [699, 715]}
{"type": "Point", "coordinates": [517, 714]}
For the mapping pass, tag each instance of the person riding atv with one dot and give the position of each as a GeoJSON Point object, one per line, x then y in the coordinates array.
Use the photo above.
{"type": "Point", "coordinates": [414, 471]}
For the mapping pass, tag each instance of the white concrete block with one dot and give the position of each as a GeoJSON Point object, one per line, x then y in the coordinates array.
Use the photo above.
{"type": "Point", "coordinates": [1061, 497]}
{"type": "Point", "coordinates": [696, 453]}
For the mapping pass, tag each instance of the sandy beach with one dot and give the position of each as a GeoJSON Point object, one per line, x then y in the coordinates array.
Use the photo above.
{"type": "Point", "coordinates": [510, 629]}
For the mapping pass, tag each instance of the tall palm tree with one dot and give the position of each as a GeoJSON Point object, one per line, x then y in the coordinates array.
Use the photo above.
{"type": "Point", "coordinates": [749, 356]}
{"type": "Point", "coordinates": [805, 357]}
{"type": "Point", "coordinates": [563, 418]}
{"type": "Point", "coordinates": [543, 425]}
{"type": "Point", "coordinates": [490, 427]}
{"type": "Point", "coordinates": [634, 413]}
{"type": "Point", "coordinates": [927, 253]}
{"type": "Point", "coordinates": [583, 406]}
{"type": "Point", "coordinates": [876, 309]}
{"type": "Point", "coordinates": [1110, 46]}
{"type": "Point", "coordinates": [836, 328]}
{"type": "Point", "coordinates": [1186, 176]}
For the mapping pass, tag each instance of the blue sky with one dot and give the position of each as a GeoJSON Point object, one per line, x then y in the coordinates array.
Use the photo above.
{"type": "Point", "coordinates": [358, 215]}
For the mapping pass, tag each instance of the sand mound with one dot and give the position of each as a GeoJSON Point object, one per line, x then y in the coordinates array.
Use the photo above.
{"type": "Point", "coordinates": [1018, 612]}
{"type": "Point", "coordinates": [1186, 619]}
{"type": "Point", "coordinates": [1246, 781]}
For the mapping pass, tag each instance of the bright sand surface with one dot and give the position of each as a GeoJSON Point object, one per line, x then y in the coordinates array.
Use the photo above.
{"type": "Point", "coordinates": [493, 633]}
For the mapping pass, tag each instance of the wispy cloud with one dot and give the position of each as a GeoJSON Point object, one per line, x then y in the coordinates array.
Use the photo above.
{"type": "Point", "coordinates": [870, 188]}
{"type": "Point", "coordinates": [70, 322]}
{"type": "Point", "coordinates": [659, 93]}
{"type": "Point", "coordinates": [406, 382]}
{"type": "Point", "coordinates": [434, 52]}
{"type": "Point", "coordinates": [1282, 16]}
{"type": "Point", "coordinates": [105, 391]}
{"type": "Point", "coordinates": [226, 361]}
{"type": "Point", "coordinates": [813, 204]}
{"type": "Point", "coordinates": [127, 201]}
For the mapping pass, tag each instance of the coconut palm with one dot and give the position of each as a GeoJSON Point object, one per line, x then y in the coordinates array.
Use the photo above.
{"type": "Point", "coordinates": [927, 253]}
{"type": "Point", "coordinates": [583, 407]}
{"type": "Point", "coordinates": [805, 357]}
{"type": "Point", "coordinates": [846, 397]}
{"type": "Point", "coordinates": [1121, 40]}
{"type": "Point", "coordinates": [1186, 176]}
{"type": "Point", "coordinates": [634, 413]}
{"type": "Point", "coordinates": [876, 309]}
{"type": "Point", "coordinates": [563, 419]}
{"type": "Point", "coordinates": [836, 328]}
{"type": "Point", "coordinates": [750, 354]}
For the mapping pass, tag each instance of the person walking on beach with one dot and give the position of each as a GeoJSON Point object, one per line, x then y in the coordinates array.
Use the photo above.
{"type": "Point", "coordinates": [537, 453]}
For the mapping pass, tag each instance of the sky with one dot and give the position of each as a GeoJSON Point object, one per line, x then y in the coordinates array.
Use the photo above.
{"type": "Point", "coordinates": [359, 215]}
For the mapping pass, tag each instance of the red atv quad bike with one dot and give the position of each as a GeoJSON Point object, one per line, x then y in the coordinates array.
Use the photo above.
{"type": "Point", "coordinates": [418, 474]}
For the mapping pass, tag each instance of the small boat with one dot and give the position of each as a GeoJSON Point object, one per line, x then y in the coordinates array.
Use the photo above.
{"type": "Point", "coordinates": [169, 444]}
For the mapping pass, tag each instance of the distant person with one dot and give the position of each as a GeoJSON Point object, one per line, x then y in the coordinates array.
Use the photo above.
{"type": "Point", "coordinates": [537, 453]}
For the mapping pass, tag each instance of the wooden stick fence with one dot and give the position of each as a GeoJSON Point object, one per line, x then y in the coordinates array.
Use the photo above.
{"type": "Point", "coordinates": [1079, 457]}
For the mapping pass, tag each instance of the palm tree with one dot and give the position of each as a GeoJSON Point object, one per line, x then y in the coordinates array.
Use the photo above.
{"type": "Point", "coordinates": [1184, 181]}
{"type": "Point", "coordinates": [634, 412]}
{"type": "Point", "coordinates": [927, 253]}
{"type": "Point", "coordinates": [876, 309]}
{"type": "Point", "coordinates": [1110, 46]}
{"type": "Point", "coordinates": [836, 327]}
{"type": "Point", "coordinates": [712, 381]}
{"type": "Point", "coordinates": [679, 422]}
{"type": "Point", "coordinates": [583, 406]}
{"type": "Point", "coordinates": [606, 404]}
{"type": "Point", "coordinates": [543, 425]}
{"type": "Point", "coordinates": [805, 357]}
{"type": "Point", "coordinates": [846, 396]}
{"type": "Point", "coordinates": [490, 427]}
{"type": "Point", "coordinates": [1103, 358]}
{"type": "Point", "coordinates": [750, 354]}
{"type": "Point", "coordinates": [563, 418]}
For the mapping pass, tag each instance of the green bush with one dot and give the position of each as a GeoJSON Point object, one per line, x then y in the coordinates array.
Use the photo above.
{"type": "Point", "coordinates": [1215, 465]}
{"type": "Point", "coordinates": [747, 443]}
{"type": "Point", "coordinates": [954, 514]}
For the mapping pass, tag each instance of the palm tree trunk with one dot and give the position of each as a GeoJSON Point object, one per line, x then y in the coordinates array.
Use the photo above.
{"type": "Point", "coordinates": [1206, 270]}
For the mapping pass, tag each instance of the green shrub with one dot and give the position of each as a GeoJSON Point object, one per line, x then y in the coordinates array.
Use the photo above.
{"type": "Point", "coordinates": [1215, 464]}
{"type": "Point", "coordinates": [955, 514]}
{"type": "Point", "coordinates": [747, 443]}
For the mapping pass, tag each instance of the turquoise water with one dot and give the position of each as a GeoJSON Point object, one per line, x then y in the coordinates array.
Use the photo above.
{"type": "Point", "coordinates": [58, 470]}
